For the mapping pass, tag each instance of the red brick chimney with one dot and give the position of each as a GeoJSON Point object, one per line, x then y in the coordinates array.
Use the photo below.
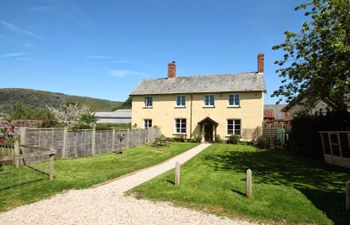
{"type": "Point", "coordinates": [172, 69]}
{"type": "Point", "coordinates": [261, 63]}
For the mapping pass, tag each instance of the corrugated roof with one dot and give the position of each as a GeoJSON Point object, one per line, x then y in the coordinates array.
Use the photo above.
{"type": "Point", "coordinates": [120, 113]}
{"type": "Point", "coordinates": [241, 82]}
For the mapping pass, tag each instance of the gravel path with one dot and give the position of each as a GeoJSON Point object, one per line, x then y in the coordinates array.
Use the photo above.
{"type": "Point", "coordinates": [106, 204]}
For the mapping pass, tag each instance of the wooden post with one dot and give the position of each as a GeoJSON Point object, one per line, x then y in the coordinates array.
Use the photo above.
{"type": "Point", "coordinates": [16, 155]}
{"type": "Point", "coordinates": [23, 135]}
{"type": "Point", "coordinates": [65, 139]}
{"type": "Point", "coordinates": [113, 139]}
{"type": "Point", "coordinates": [249, 184]}
{"type": "Point", "coordinates": [52, 164]}
{"type": "Point", "coordinates": [128, 138]}
{"type": "Point", "coordinates": [348, 195]}
{"type": "Point", "coordinates": [177, 174]}
{"type": "Point", "coordinates": [93, 140]}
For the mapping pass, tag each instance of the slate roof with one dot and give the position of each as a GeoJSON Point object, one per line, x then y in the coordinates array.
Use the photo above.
{"type": "Point", "coordinates": [241, 82]}
{"type": "Point", "coordinates": [120, 113]}
{"type": "Point", "coordinates": [276, 110]}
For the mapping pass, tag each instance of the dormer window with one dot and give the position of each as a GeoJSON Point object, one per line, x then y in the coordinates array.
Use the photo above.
{"type": "Point", "coordinates": [181, 101]}
{"type": "Point", "coordinates": [148, 102]}
{"type": "Point", "coordinates": [234, 100]}
{"type": "Point", "coordinates": [209, 101]}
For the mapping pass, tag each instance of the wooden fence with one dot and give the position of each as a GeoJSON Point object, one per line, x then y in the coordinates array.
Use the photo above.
{"type": "Point", "coordinates": [275, 135]}
{"type": "Point", "coordinates": [85, 142]}
{"type": "Point", "coordinates": [7, 153]}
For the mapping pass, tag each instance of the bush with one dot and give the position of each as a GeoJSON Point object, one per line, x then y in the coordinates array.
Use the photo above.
{"type": "Point", "coordinates": [234, 139]}
{"type": "Point", "coordinates": [87, 118]}
{"type": "Point", "coordinates": [179, 138]}
{"type": "Point", "coordinates": [197, 138]}
{"type": "Point", "coordinates": [80, 126]}
{"type": "Point", "coordinates": [218, 139]}
{"type": "Point", "coordinates": [110, 126]}
{"type": "Point", "coordinates": [103, 127]}
{"type": "Point", "coordinates": [261, 142]}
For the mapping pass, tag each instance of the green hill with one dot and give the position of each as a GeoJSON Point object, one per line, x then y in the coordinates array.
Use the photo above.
{"type": "Point", "coordinates": [34, 98]}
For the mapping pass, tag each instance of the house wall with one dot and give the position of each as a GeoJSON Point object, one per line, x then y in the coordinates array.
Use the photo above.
{"type": "Point", "coordinates": [164, 112]}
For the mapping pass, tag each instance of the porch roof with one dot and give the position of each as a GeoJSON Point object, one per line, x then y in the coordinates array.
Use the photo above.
{"type": "Point", "coordinates": [208, 120]}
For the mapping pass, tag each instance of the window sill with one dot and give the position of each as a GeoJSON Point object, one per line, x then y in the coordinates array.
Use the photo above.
{"type": "Point", "coordinates": [229, 135]}
{"type": "Point", "coordinates": [232, 106]}
{"type": "Point", "coordinates": [149, 107]}
{"type": "Point", "coordinates": [180, 107]}
{"type": "Point", "coordinates": [209, 107]}
{"type": "Point", "coordinates": [179, 133]}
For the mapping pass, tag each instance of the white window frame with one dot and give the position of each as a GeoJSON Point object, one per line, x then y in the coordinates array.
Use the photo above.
{"type": "Point", "coordinates": [148, 104]}
{"type": "Point", "coordinates": [181, 99]}
{"type": "Point", "coordinates": [181, 126]}
{"type": "Point", "coordinates": [211, 97]}
{"type": "Point", "coordinates": [234, 127]}
{"type": "Point", "coordinates": [147, 123]}
{"type": "Point", "coordinates": [234, 96]}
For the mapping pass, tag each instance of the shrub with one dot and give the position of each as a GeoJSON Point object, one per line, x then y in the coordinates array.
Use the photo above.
{"type": "Point", "coordinates": [103, 127]}
{"type": "Point", "coordinates": [234, 139]}
{"type": "Point", "coordinates": [261, 142]}
{"type": "Point", "coordinates": [179, 138]}
{"type": "Point", "coordinates": [87, 118]}
{"type": "Point", "coordinates": [218, 139]}
{"type": "Point", "coordinates": [79, 126]}
{"type": "Point", "coordinates": [197, 138]}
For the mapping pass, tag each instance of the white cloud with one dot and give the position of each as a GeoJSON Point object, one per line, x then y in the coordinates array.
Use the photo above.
{"type": "Point", "coordinates": [41, 8]}
{"type": "Point", "coordinates": [125, 73]}
{"type": "Point", "coordinates": [18, 55]}
{"type": "Point", "coordinates": [19, 30]}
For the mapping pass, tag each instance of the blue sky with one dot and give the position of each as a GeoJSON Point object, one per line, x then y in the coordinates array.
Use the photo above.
{"type": "Point", "coordinates": [105, 48]}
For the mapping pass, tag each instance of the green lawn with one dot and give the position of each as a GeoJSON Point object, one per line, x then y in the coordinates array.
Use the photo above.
{"type": "Point", "coordinates": [23, 185]}
{"type": "Point", "coordinates": [286, 188]}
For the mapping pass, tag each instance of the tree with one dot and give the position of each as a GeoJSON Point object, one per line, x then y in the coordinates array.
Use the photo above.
{"type": "Point", "coordinates": [125, 105]}
{"type": "Point", "coordinates": [22, 112]}
{"type": "Point", "coordinates": [317, 60]}
{"type": "Point", "coordinates": [73, 115]}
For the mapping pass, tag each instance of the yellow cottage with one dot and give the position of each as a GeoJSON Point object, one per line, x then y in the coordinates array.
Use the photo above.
{"type": "Point", "coordinates": [210, 106]}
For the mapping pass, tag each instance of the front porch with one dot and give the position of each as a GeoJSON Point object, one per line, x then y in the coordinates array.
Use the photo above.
{"type": "Point", "coordinates": [208, 129]}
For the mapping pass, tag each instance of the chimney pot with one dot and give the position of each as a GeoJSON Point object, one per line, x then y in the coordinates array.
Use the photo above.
{"type": "Point", "coordinates": [261, 63]}
{"type": "Point", "coordinates": [172, 69]}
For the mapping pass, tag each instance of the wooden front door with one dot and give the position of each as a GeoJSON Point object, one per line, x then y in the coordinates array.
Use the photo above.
{"type": "Point", "coordinates": [208, 133]}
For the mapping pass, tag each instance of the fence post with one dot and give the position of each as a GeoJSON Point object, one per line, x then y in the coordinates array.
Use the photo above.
{"type": "Point", "coordinates": [93, 140]}
{"type": "Point", "coordinates": [23, 132]}
{"type": "Point", "coordinates": [348, 195]}
{"type": "Point", "coordinates": [16, 156]}
{"type": "Point", "coordinates": [128, 138]}
{"type": "Point", "coordinates": [52, 164]}
{"type": "Point", "coordinates": [177, 174]}
{"type": "Point", "coordinates": [249, 184]}
{"type": "Point", "coordinates": [113, 139]}
{"type": "Point", "coordinates": [65, 140]}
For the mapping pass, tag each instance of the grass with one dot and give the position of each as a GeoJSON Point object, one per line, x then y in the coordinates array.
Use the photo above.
{"type": "Point", "coordinates": [286, 188]}
{"type": "Point", "coordinates": [23, 185]}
